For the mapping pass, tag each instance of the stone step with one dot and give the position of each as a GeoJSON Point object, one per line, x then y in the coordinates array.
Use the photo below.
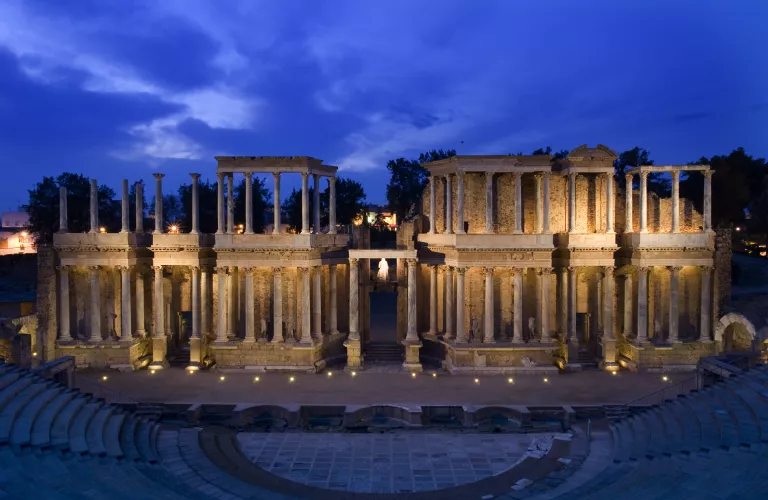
{"type": "Point", "coordinates": [21, 429]}
{"type": "Point", "coordinates": [8, 393]}
{"type": "Point", "coordinates": [127, 438]}
{"type": "Point", "coordinates": [144, 442]}
{"type": "Point", "coordinates": [748, 424]}
{"type": "Point", "coordinates": [94, 433]}
{"type": "Point", "coordinates": [11, 410]}
{"type": "Point", "coordinates": [78, 442]}
{"type": "Point", "coordinates": [8, 378]}
{"type": "Point", "coordinates": [41, 430]}
{"type": "Point", "coordinates": [112, 435]}
{"type": "Point", "coordinates": [60, 431]}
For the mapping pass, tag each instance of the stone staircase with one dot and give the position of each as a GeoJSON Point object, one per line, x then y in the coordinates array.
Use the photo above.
{"type": "Point", "coordinates": [384, 352]}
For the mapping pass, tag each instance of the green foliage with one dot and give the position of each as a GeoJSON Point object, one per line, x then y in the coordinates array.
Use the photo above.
{"type": "Point", "coordinates": [556, 155]}
{"type": "Point", "coordinates": [407, 181]}
{"type": "Point", "coordinates": [350, 202]}
{"type": "Point", "coordinates": [261, 196]}
{"type": "Point", "coordinates": [43, 206]}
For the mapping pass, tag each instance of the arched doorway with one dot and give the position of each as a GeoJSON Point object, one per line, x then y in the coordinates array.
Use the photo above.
{"type": "Point", "coordinates": [735, 332]}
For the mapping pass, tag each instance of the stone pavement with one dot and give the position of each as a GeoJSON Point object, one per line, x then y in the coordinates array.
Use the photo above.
{"type": "Point", "coordinates": [177, 386]}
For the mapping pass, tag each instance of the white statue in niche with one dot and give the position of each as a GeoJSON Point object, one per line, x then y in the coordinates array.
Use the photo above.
{"type": "Point", "coordinates": [383, 274]}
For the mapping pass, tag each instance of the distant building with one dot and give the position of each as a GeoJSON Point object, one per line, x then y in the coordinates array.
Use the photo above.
{"type": "Point", "coordinates": [14, 237]}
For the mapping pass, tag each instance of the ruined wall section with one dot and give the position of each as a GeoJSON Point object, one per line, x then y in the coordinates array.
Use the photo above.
{"type": "Point", "coordinates": [47, 307]}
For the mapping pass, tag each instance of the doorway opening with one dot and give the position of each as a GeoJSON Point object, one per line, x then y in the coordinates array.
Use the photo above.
{"type": "Point", "coordinates": [382, 346]}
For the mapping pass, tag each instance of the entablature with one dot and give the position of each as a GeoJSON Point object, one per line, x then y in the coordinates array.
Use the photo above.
{"type": "Point", "coordinates": [273, 164]}
{"type": "Point", "coordinates": [491, 163]}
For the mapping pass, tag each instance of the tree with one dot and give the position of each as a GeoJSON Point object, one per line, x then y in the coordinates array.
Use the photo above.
{"type": "Point", "coordinates": [261, 195]}
{"type": "Point", "coordinates": [291, 207]}
{"type": "Point", "coordinates": [207, 197]}
{"type": "Point", "coordinates": [44, 201]}
{"type": "Point", "coordinates": [656, 183]}
{"type": "Point", "coordinates": [559, 155]}
{"type": "Point", "coordinates": [350, 202]}
{"type": "Point", "coordinates": [407, 181]}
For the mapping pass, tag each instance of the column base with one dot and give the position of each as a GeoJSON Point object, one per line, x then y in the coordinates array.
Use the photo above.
{"type": "Point", "coordinates": [125, 339]}
{"type": "Point", "coordinates": [195, 352]}
{"type": "Point", "coordinates": [674, 341]}
{"type": "Point", "coordinates": [354, 354]}
{"type": "Point", "coordinates": [489, 341]}
{"type": "Point", "coordinates": [517, 340]}
{"type": "Point", "coordinates": [140, 334]}
{"type": "Point", "coordinates": [706, 341]}
{"type": "Point", "coordinates": [412, 362]}
{"type": "Point", "coordinates": [609, 366]}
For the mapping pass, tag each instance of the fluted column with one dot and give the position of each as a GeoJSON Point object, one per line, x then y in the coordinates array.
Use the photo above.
{"type": "Point", "coordinates": [334, 324]}
{"type": "Point", "coordinates": [249, 203]}
{"type": "Point", "coordinates": [675, 201]}
{"type": "Point", "coordinates": [461, 335]}
{"type": "Point", "coordinates": [316, 203]}
{"type": "Point", "coordinates": [488, 327]}
{"type": "Point", "coordinates": [317, 302]}
{"type": "Point", "coordinates": [231, 303]}
{"type": "Point", "coordinates": [609, 227]}
{"type": "Point", "coordinates": [562, 306]}
{"type": "Point", "coordinates": [705, 321]}
{"type": "Point", "coordinates": [708, 200]}
{"type": "Point", "coordinates": [517, 306]}
{"type": "Point", "coordinates": [642, 304]}
{"type": "Point", "coordinates": [489, 203]}
{"type": "Point", "coordinates": [124, 209]}
{"type": "Point", "coordinates": [332, 205]}
{"type": "Point", "coordinates": [460, 203]}
{"type": "Point", "coordinates": [158, 203]}
{"type": "Point", "coordinates": [95, 306]}
{"type": "Point", "coordinates": [304, 203]}
{"type": "Point", "coordinates": [546, 279]}
{"type": "Point", "coordinates": [573, 335]}
{"type": "Point", "coordinates": [306, 308]}
{"type": "Point", "coordinates": [433, 299]}
{"type": "Point", "coordinates": [539, 205]}
{"type": "Point", "coordinates": [221, 327]}
{"type": "Point", "coordinates": [276, 203]}
{"type": "Point", "coordinates": [412, 334]}
{"type": "Point", "coordinates": [64, 331]}
{"type": "Point", "coordinates": [230, 204]}
{"type": "Point", "coordinates": [221, 228]}
{"type": "Point", "coordinates": [277, 304]}
{"type": "Point", "coordinates": [628, 195]}
{"type": "Point", "coordinates": [448, 205]}
{"type": "Point", "coordinates": [250, 320]}
{"type": "Point", "coordinates": [159, 307]}
{"type": "Point", "coordinates": [140, 323]}
{"type": "Point", "coordinates": [608, 282]}
{"type": "Point", "coordinates": [354, 299]}
{"type": "Point", "coordinates": [448, 281]}
{"type": "Point", "coordinates": [206, 301]}
{"type": "Point", "coordinates": [63, 210]}
{"type": "Point", "coordinates": [195, 204]}
{"type": "Point", "coordinates": [571, 202]}
{"type": "Point", "coordinates": [126, 333]}
{"type": "Point", "coordinates": [518, 202]}
{"type": "Point", "coordinates": [643, 202]}
{"type": "Point", "coordinates": [545, 213]}
{"type": "Point", "coordinates": [674, 318]}
{"type": "Point", "coordinates": [627, 306]}
{"type": "Point", "coordinates": [94, 206]}
{"type": "Point", "coordinates": [194, 271]}
{"type": "Point", "coordinates": [432, 205]}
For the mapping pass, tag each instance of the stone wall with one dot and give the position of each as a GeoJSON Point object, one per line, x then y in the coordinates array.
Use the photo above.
{"type": "Point", "coordinates": [47, 318]}
{"type": "Point", "coordinates": [723, 257]}
{"type": "Point", "coordinates": [667, 357]}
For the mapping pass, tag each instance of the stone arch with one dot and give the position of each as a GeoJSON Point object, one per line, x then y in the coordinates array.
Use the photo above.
{"type": "Point", "coordinates": [732, 328]}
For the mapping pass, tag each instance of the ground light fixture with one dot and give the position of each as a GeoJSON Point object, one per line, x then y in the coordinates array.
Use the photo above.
{"type": "Point", "coordinates": [546, 380]}
{"type": "Point", "coordinates": [510, 380]}
{"type": "Point", "coordinates": [151, 372]}
{"type": "Point", "coordinates": [434, 375]}
{"type": "Point", "coordinates": [665, 378]}
{"type": "Point", "coordinates": [291, 379]}
{"type": "Point", "coordinates": [413, 374]}
{"type": "Point", "coordinates": [330, 374]}
{"type": "Point", "coordinates": [104, 378]}
{"type": "Point", "coordinates": [256, 379]}
{"type": "Point", "coordinates": [477, 380]}
{"type": "Point", "coordinates": [614, 373]}
{"type": "Point", "coordinates": [354, 374]}
{"type": "Point", "coordinates": [222, 378]}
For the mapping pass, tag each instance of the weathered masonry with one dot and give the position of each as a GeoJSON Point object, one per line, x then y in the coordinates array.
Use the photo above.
{"type": "Point", "coordinates": [517, 264]}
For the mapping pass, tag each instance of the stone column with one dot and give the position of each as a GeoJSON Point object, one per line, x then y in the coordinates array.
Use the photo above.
{"type": "Point", "coordinates": [433, 299]}
{"type": "Point", "coordinates": [316, 203]}
{"type": "Point", "coordinates": [546, 279]}
{"type": "Point", "coordinates": [230, 204]}
{"type": "Point", "coordinates": [705, 324]}
{"type": "Point", "coordinates": [95, 300]}
{"type": "Point", "coordinates": [221, 327]}
{"type": "Point", "coordinates": [412, 334]}
{"type": "Point", "coordinates": [64, 332]}
{"type": "Point", "coordinates": [304, 203]}
{"type": "Point", "coordinates": [448, 205]}
{"type": "Point", "coordinates": [518, 202]}
{"type": "Point", "coordinates": [331, 205]}
{"type": "Point", "coordinates": [194, 271]}
{"type": "Point", "coordinates": [432, 205]}
{"type": "Point", "coordinates": [643, 202]}
{"type": "Point", "coordinates": [354, 300]}
{"type": "Point", "coordinates": [124, 209]}
{"type": "Point", "coordinates": [571, 202]}
{"type": "Point", "coordinates": [158, 203]}
{"type": "Point", "coordinates": [489, 203]}
{"type": "Point", "coordinates": [140, 323]}
{"type": "Point", "coordinates": [608, 303]}
{"type": "Point", "coordinates": [517, 306]}
{"type": "Point", "coordinates": [306, 308]}
{"type": "Point", "coordinates": [461, 336]}
{"type": "Point", "coordinates": [276, 203]}
{"type": "Point", "coordinates": [573, 335]}
{"type": "Point", "coordinates": [609, 227]}
{"type": "Point", "coordinates": [317, 299]}
{"type": "Point", "coordinates": [675, 201]}
{"type": "Point", "coordinates": [249, 203]}
{"type": "Point", "coordinates": [63, 210]}
{"type": "Point", "coordinates": [562, 307]}
{"type": "Point", "coordinates": [94, 207]}
{"type": "Point", "coordinates": [159, 307]}
{"type": "Point", "coordinates": [488, 327]}
{"type": "Point", "coordinates": [545, 215]}
{"type": "Point", "coordinates": [708, 200]}
{"type": "Point", "coordinates": [334, 326]}
{"type": "Point", "coordinates": [628, 195]}
{"type": "Point", "coordinates": [250, 320]}
{"type": "Point", "coordinates": [642, 305]}
{"type": "Point", "coordinates": [448, 281]}
{"type": "Point", "coordinates": [221, 229]}
{"type": "Point", "coordinates": [205, 300]}
{"type": "Point", "coordinates": [126, 333]}
{"type": "Point", "coordinates": [231, 303]}
{"type": "Point", "coordinates": [539, 205]}
{"type": "Point", "coordinates": [195, 204]}
{"type": "Point", "coordinates": [627, 305]}
{"type": "Point", "coordinates": [460, 204]}
{"type": "Point", "coordinates": [674, 285]}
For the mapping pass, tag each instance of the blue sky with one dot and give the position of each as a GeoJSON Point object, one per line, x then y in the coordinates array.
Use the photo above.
{"type": "Point", "coordinates": [119, 89]}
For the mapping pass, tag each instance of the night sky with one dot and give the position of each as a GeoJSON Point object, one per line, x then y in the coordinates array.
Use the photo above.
{"type": "Point", "coordinates": [119, 89]}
